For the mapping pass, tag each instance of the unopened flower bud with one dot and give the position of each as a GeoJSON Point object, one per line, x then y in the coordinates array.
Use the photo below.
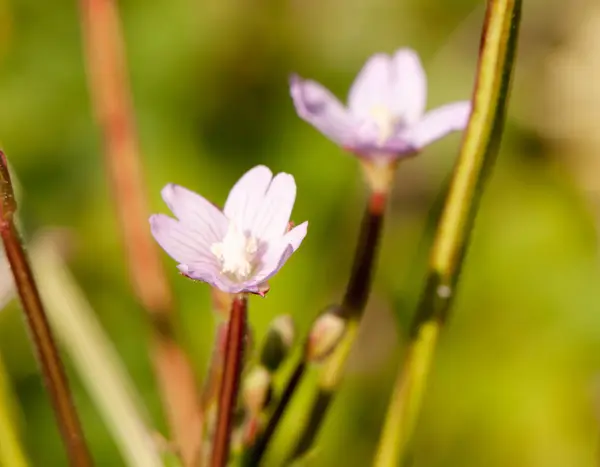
{"type": "Point", "coordinates": [257, 390]}
{"type": "Point", "coordinates": [325, 334]}
{"type": "Point", "coordinates": [278, 341]}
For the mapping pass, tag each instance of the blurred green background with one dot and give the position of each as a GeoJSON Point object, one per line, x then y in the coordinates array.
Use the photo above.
{"type": "Point", "coordinates": [516, 381]}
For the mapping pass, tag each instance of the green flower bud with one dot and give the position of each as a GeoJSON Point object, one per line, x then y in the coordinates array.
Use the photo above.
{"type": "Point", "coordinates": [324, 336]}
{"type": "Point", "coordinates": [256, 390]}
{"type": "Point", "coordinates": [278, 342]}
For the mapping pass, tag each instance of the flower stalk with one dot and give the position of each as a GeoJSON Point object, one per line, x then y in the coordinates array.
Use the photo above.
{"type": "Point", "coordinates": [363, 266]}
{"type": "Point", "coordinates": [107, 76]}
{"type": "Point", "coordinates": [230, 381]}
{"type": "Point", "coordinates": [35, 316]}
{"type": "Point", "coordinates": [255, 453]}
{"type": "Point", "coordinates": [275, 349]}
{"type": "Point", "coordinates": [383, 122]}
{"type": "Point", "coordinates": [351, 310]}
{"type": "Point", "coordinates": [478, 153]}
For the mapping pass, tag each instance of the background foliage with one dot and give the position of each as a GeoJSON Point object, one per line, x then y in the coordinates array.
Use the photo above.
{"type": "Point", "coordinates": [515, 381]}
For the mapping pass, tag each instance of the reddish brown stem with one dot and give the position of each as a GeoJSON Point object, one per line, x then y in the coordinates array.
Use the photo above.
{"type": "Point", "coordinates": [230, 383]}
{"type": "Point", "coordinates": [108, 83]}
{"type": "Point", "coordinates": [41, 335]}
{"type": "Point", "coordinates": [355, 300]}
{"type": "Point", "coordinates": [365, 255]}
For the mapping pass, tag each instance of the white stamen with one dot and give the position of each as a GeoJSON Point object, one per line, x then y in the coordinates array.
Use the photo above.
{"type": "Point", "coordinates": [386, 121]}
{"type": "Point", "coordinates": [237, 253]}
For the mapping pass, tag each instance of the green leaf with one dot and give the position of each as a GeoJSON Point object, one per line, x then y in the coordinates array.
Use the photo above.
{"type": "Point", "coordinates": [93, 355]}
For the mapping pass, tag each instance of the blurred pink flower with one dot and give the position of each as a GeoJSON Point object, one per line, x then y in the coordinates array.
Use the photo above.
{"type": "Point", "coordinates": [237, 249]}
{"type": "Point", "coordinates": [385, 115]}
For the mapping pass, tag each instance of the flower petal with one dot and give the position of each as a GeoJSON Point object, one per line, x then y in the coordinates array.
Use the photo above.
{"type": "Point", "coordinates": [199, 271]}
{"type": "Point", "coordinates": [275, 257]}
{"type": "Point", "coordinates": [320, 108]}
{"type": "Point", "coordinates": [181, 242]}
{"type": "Point", "coordinates": [394, 147]}
{"type": "Point", "coordinates": [272, 219]}
{"type": "Point", "coordinates": [205, 272]}
{"type": "Point", "coordinates": [279, 251]}
{"type": "Point", "coordinates": [372, 87]}
{"type": "Point", "coordinates": [295, 236]}
{"type": "Point", "coordinates": [195, 211]}
{"type": "Point", "coordinates": [258, 288]}
{"type": "Point", "coordinates": [246, 197]}
{"type": "Point", "coordinates": [439, 122]}
{"type": "Point", "coordinates": [409, 88]}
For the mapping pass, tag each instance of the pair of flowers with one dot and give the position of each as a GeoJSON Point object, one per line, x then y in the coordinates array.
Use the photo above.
{"type": "Point", "coordinates": [241, 247]}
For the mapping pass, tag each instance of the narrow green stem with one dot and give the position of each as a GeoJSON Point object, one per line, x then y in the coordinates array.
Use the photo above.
{"type": "Point", "coordinates": [317, 415]}
{"type": "Point", "coordinates": [353, 305]}
{"type": "Point", "coordinates": [253, 456]}
{"type": "Point", "coordinates": [11, 452]}
{"type": "Point", "coordinates": [478, 153]}
{"type": "Point", "coordinates": [230, 382]}
{"type": "Point", "coordinates": [355, 299]}
{"type": "Point", "coordinates": [37, 322]}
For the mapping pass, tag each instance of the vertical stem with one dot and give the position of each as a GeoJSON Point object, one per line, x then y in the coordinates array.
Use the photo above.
{"type": "Point", "coordinates": [41, 335]}
{"type": "Point", "coordinates": [108, 82]}
{"type": "Point", "coordinates": [255, 453]}
{"type": "Point", "coordinates": [359, 284]}
{"type": "Point", "coordinates": [11, 451]}
{"type": "Point", "coordinates": [230, 382]}
{"type": "Point", "coordinates": [478, 153]}
{"type": "Point", "coordinates": [352, 308]}
{"type": "Point", "coordinates": [353, 305]}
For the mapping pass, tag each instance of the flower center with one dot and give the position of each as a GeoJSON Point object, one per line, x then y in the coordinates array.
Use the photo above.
{"type": "Point", "coordinates": [236, 253]}
{"type": "Point", "coordinates": [385, 120]}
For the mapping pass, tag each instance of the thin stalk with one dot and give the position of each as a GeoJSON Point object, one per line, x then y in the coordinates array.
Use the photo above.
{"type": "Point", "coordinates": [478, 153]}
{"type": "Point", "coordinates": [352, 308]}
{"type": "Point", "coordinates": [37, 322]}
{"type": "Point", "coordinates": [253, 455]}
{"type": "Point", "coordinates": [94, 356]}
{"type": "Point", "coordinates": [109, 88]}
{"type": "Point", "coordinates": [353, 305]}
{"type": "Point", "coordinates": [230, 382]}
{"type": "Point", "coordinates": [11, 451]}
{"type": "Point", "coordinates": [359, 284]}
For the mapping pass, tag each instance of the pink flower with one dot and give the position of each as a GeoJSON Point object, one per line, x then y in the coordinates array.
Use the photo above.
{"type": "Point", "coordinates": [240, 248]}
{"type": "Point", "coordinates": [385, 114]}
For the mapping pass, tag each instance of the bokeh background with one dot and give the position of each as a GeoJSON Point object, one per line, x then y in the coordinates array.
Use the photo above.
{"type": "Point", "coordinates": [516, 380]}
